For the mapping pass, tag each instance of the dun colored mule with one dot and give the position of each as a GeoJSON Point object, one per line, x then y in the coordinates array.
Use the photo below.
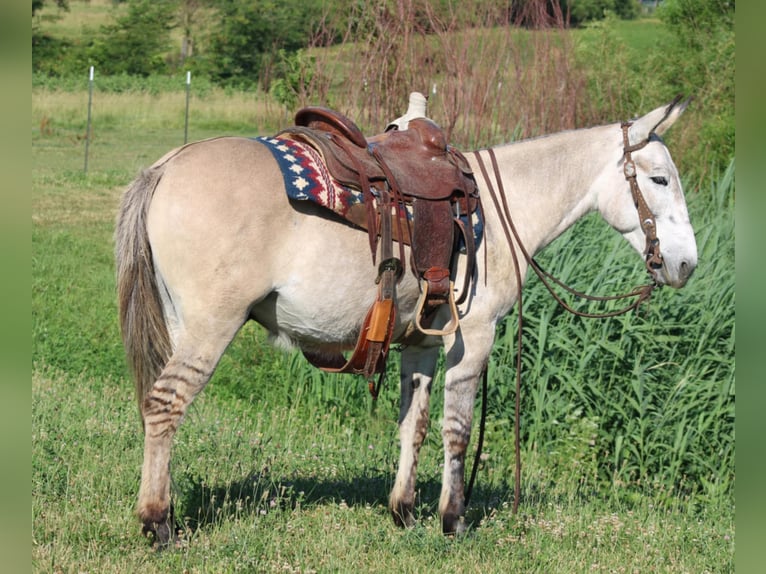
{"type": "Point", "coordinates": [207, 239]}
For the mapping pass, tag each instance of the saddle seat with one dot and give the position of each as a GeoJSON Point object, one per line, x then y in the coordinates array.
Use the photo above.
{"type": "Point", "coordinates": [420, 160]}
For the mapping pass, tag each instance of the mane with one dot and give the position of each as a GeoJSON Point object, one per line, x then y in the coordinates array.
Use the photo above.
{"type": "Point", "coordinates": [549, 136]}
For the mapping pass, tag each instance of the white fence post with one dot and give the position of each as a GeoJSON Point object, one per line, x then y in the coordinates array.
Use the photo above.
{"type": "Point", "coordinates": [87, 129]}
{"type": "Point", "coordinates": [186, 119]}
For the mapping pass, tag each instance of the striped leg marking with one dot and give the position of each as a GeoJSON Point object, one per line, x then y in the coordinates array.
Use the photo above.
{"type": "Point", "coordinates": [163, 410]}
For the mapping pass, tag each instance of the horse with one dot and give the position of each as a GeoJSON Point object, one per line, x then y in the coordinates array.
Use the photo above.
{"type": "Point", "coordinates": [206, 239]}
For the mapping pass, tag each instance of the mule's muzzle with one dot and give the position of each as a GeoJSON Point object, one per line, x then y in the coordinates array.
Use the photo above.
{"type": "Point", "coordinates": [679, 276]}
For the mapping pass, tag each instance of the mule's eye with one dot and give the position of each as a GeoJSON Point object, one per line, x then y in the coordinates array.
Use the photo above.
{"type": "Point", "coordinates": [659, 180]}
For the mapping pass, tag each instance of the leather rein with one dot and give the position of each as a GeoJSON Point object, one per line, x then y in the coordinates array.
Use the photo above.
{"type": "Point", "coordinates": [652, 255]}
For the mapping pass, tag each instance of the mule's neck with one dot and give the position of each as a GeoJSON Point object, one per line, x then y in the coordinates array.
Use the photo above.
{"type": "Point", "coordinates": [552, 181]}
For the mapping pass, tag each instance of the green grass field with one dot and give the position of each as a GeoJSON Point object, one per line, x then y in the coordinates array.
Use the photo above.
{"type": "Point", "coordinates": [627, 425]}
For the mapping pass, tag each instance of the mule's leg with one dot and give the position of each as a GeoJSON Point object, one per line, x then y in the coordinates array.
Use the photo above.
{"type": "Point", "coordinates": [163, 409]}
{"type": "Point", "coordinates": [461, 380]}
{"type": "Point", "coordinates": [417, 371]}
{"type": "Point", "coordinates": [459, 395]}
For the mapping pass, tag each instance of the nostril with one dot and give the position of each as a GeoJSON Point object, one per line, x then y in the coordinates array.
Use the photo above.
{"type": "Point", "coordinates": [686, 270]}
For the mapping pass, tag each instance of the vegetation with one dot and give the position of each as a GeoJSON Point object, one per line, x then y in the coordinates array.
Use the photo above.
{"type": "Point", "coordinates": [702, 37]}
{"type": "Point", "coordinates": [472, 57]}
{"type": "Point", "coordinates": [137, 42]}
{"type": "Point", "coordinates": [627, 425]}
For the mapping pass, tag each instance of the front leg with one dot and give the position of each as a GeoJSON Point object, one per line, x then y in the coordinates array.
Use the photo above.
{"type": "Point", "coordinates": [461, 381]}
{"type": "Point", "coordinates": [417, 370]}
{"type": "Point", "coordinates": [459, 395]}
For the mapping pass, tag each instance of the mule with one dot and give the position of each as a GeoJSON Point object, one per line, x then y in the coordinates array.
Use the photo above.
{"type": "Point", "coordinates": [207, 240]}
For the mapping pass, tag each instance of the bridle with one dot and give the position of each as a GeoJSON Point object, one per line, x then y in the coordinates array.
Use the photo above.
{"type": "Point", "coordinates": [652, 256]}
{"type": "Point", "coordinates": [645, 216]}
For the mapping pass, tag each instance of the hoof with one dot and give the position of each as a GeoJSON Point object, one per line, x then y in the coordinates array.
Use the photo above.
{"type": "Point", "coordinates": [403, 515]}
{"type": "Point", "coordinates": [453, 524]}
{"type": "Point", "coordinates": [164, 532]}
{"type": "Point", "coordinates": [161, 534]}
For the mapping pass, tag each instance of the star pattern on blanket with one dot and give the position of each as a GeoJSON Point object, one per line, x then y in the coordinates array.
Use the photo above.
{"type": "Point", "coordinates": [306, 177]}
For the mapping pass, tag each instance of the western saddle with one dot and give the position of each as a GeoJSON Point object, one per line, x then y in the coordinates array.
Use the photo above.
{"type": "Point", "coordinates": [398, 171]}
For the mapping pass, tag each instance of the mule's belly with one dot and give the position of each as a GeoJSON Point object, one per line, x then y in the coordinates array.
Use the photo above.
{"type": "Point", "coordinates": [325, 311]}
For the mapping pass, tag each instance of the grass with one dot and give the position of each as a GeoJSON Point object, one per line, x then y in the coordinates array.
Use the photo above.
{"type": "Point", "coordinates": [274, 488]}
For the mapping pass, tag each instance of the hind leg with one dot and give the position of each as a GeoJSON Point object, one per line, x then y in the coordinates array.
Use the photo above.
{"type": "Point", "coordinates": [417, 371]}
{"type": "Point", "coordinates": [163, 408]}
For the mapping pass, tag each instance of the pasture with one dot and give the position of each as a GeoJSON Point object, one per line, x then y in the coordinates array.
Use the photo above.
{"type": "Point", "coordinates": [627, 425]}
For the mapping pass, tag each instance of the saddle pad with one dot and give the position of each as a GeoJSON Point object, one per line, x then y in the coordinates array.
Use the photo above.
{"type": "Point", "coordinates": [307, 179]}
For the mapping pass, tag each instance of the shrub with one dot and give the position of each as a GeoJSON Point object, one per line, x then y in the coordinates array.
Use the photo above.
{"type": "Point", "coordinates": [138, 42]}
{"type": "Point", "coordinates": [702, 42]}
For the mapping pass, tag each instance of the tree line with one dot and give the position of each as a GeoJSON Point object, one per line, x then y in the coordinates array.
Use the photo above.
{"type": "Point", "coordinates": [236, 42]}
{"type": "Point", "coordinates": [267, 44]}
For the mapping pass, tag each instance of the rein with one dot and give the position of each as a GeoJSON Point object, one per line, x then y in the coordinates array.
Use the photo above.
{"type": "Point", "coordinates": [653, 259]}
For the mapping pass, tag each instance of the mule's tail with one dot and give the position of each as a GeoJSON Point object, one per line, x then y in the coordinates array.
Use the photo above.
{"type": "Point", "coordinates": [142, 321]}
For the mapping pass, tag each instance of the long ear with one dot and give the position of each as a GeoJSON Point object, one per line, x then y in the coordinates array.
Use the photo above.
{"type": "Point", "coordinates": [657, 121]}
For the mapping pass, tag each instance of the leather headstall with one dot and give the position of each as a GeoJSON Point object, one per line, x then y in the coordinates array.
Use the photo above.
{"type": "Point", "coordinates": [646, 217]}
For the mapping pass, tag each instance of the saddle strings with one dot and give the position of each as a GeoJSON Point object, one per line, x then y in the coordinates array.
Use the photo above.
{"type": "Point", "coordinates": [642, 294]}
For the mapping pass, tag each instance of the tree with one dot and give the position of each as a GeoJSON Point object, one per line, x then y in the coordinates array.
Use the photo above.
{"type": "Point", "coordinates": [533, 13]}
{"type": "Point", "coordinates": [697, 19]}
{"type": "Point", "coordinates": [37, 5]}
{"type": "Point", "coordinates": [47, 51]}
{"type": "Point", "coordinates": [250, 32]}
{"type": "Point", "coordinates": [581, 11]}
{"type": "Point", "coordinates": [703, 66]}
{"type": "Point", "coordinates": [138, 42]}
{"type": "Point", "coordinates": [627, 9]}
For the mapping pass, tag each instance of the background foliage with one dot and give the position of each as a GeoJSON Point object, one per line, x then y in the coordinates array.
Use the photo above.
{"type": "Point", "coordinates": [395, 46]}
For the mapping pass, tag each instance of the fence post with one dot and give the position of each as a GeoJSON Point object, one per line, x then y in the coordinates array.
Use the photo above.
{"type": "Point", "coordinates": [186, 118]}
{"type": "Point", "coordinates": [87, 129]}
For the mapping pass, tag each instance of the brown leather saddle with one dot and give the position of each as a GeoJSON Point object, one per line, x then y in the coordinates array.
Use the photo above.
{"type": "Point", "coordinates": [413, 169]}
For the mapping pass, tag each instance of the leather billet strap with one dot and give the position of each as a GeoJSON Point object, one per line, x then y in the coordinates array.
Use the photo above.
{"type": "Point", "coordinates": [645, 216]}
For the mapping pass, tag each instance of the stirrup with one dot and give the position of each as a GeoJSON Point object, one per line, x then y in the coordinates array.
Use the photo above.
{"type": "Point", "coordinates": [454, 321]}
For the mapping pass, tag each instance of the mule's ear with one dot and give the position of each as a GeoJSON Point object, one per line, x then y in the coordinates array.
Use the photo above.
{"type": "Point", "coordinates": [672, 113]}
{"type": "Point", "coordinates": [657, 121]}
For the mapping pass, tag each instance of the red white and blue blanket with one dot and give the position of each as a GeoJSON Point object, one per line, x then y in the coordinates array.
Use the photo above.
{"type": "Point", "coordinates": [306, 177]}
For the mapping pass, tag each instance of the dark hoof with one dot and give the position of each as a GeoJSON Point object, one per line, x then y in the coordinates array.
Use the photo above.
{"type": "Point", "coordinates": [403, 516]}
{"type": "Point", "coordinates": [453, 524]}
{"type": "Point", "coordinates": [165, 533]}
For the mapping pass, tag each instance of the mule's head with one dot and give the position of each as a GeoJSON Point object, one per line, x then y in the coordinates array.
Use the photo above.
{"type": "Point", "coordinates": [659, 184]}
